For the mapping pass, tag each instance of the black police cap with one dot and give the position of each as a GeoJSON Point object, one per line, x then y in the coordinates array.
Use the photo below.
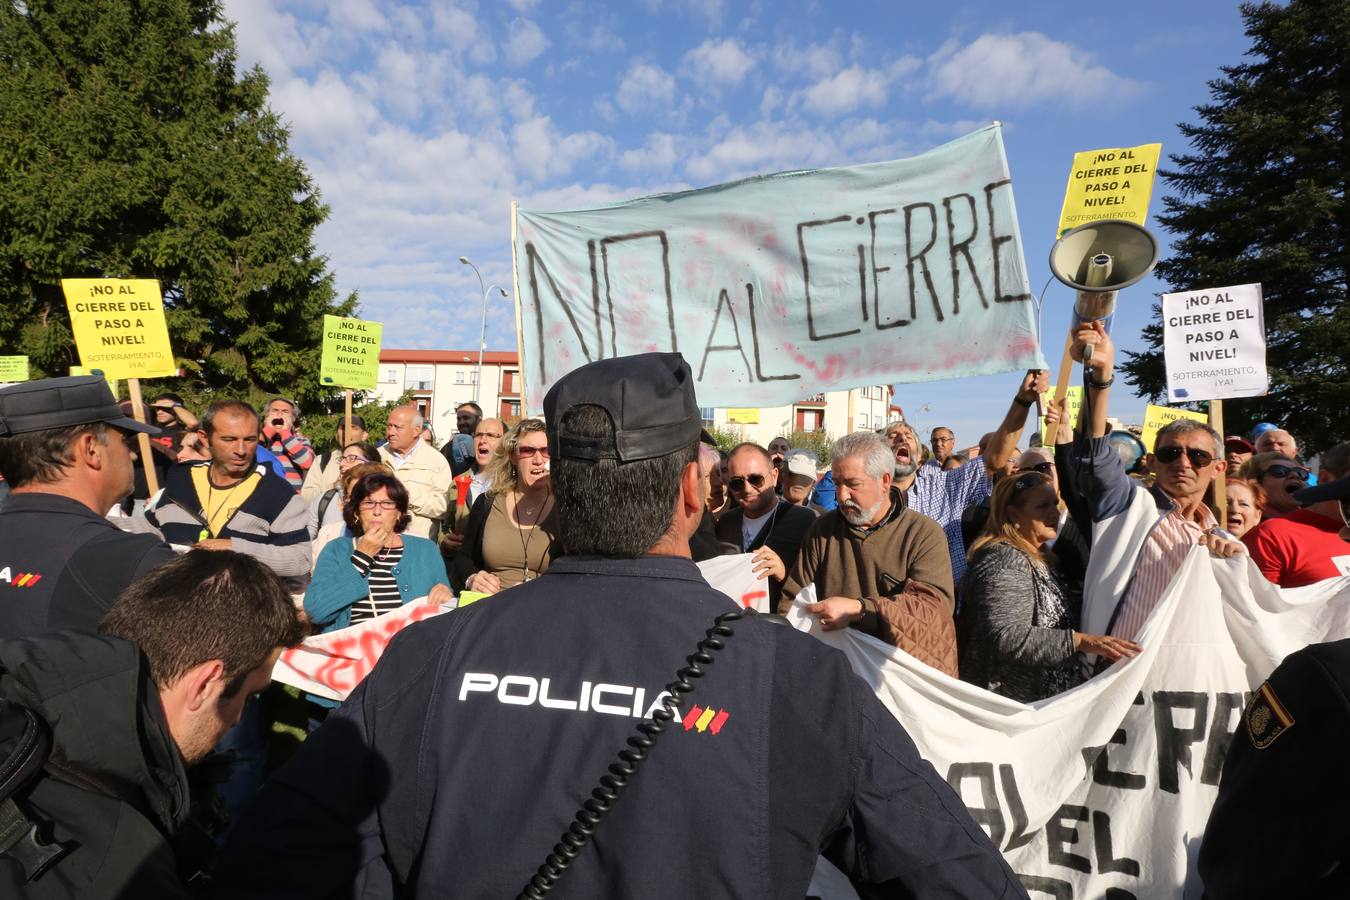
{"type": "Point", "coordinates": [649, 397]}
{"type": "Point", "coordinates": [61, 403]}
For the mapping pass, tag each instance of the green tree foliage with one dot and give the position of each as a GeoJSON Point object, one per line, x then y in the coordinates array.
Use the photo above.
{"type": "Point", "coordinates": [132, 148]}
{"type": "Point", "coordinates": [1261, 198]}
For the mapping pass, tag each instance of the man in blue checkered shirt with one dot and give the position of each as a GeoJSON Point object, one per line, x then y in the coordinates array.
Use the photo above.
{"type": "Point", "coordinates": [942, 494]}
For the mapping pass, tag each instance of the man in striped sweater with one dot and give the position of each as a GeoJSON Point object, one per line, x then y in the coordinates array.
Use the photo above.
{"type": "Point", "coordinates": [283, 439]}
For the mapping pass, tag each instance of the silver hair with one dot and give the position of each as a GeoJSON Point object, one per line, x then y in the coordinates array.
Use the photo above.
{"type": "Point", "coordinates": [878, 458]}
{"type": "Point", "coordinates": [1186, 426]}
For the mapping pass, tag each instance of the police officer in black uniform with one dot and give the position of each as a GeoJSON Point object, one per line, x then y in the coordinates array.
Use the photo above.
{"type": "Point", "coordinates": [455, 767]}
{"type": "Point", "coordinates": [1279, 827]}
{"type": "Point", "coordinates": [66, 452]}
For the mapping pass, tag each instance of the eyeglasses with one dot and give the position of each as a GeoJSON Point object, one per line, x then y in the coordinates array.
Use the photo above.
{"type": "Point", "coordinates": [1045, 468]}
{"type": "Point", "coordinates": [1170, 454]}
{"type": "Point", "coordinates": [738, 483]}
{"type": "Point", "coordinates": [354, 457]}
{"type": "Point", "coordinates": [529, 452]}
{"type": "Point", "coordinates": [386, 505]}
{"type": "Point", "coordinates": [1279, 470]}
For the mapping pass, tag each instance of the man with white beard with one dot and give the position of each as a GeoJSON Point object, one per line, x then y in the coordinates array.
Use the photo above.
{"type": "Point", "coordinates": [876, 564]}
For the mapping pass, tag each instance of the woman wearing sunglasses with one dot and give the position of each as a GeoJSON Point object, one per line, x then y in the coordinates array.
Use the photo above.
{"type": "Point", "coordinates": [1306, 546]}
{"type": "Point", "coordinates": [1016, 634]}
{"type": "Point", "coordinates": [512, 532]}
{"type": "Point", "coordinates": [1280, 476]}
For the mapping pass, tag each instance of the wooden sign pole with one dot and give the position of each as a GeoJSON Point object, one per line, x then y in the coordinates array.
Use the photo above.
{"type": "Point", "coordinates": [143, 439]}
{"type": "Point", "coordinates": [1220, 481]}
{"type": "Point", "coordinates": [346, 418]}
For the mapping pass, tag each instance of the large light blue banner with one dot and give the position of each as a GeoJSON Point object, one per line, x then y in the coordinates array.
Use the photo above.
{"type": "Point", "coordinates": [787, 285]}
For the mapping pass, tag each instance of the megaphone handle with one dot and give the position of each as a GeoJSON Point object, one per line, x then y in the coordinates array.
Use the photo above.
{"type": "Point", "coordinates": [1087, 356]}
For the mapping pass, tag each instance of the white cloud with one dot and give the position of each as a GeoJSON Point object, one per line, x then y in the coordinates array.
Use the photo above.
{"type": "Point", "coordinates": [812, 61]}
{"type": "Point", "coordinates": [718, 62]}
{"type": "Point", "coordinates": [523, 6]}
{"type": "Point", "coordinates": [325, 110]}
{"type": "Point", "coordinates": [357, 16]}
{"type": "Point", "coordinates": [524, 42]}
{"type": "Point", "coordinates": [845, 91]}
{"type": "Point", "coordinates": [456, 24]}
{"type": "Point", "coordinates": [998, 70]}
{"type": "Point", "coordinates": [657, 154]}
{"type": "Point", "coordinates": [543, 152]}
{"type": "Point", "coordinates": [646, 88]}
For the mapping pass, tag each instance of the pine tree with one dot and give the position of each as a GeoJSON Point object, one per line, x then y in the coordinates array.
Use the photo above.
{"type": "Point", "coordinates": [1260, 197]}
{"type": "Point", "coordinates": [130, 147]}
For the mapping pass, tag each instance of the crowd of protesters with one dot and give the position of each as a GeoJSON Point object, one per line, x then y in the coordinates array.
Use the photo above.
{"type": "Point", "coordinates": [979, 562]}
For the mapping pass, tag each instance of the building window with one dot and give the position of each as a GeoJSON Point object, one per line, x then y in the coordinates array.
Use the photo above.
{"type": "Point", "coordinates": [473, 376]}
{"type": "Point", "coordinates": [862, 421]}
{"type": "Point", "coordinates": [390, 376]}
{"type": "Point", "coordinates": [459, 376]}
{"type": "Point", "coordinates": [419, 378]}
{"type": "Point", "coordinates": [707, 413]}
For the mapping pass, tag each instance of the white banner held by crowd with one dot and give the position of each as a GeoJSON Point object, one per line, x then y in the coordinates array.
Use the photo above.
{"type": "Point", "coordinates": [332, 665]}
{"type": "Point", "coordinates": [1214, 344]}
{"type": "Point", "coordinates": [1104, 791]}
{"type": "Point", "coordinates": [785, 285]}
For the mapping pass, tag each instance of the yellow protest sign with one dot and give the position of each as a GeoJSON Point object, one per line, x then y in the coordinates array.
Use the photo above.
{"type": "Point", "coordinates": [119, 326]}
{"type": "Point", "coordinates": [1109, 184]}
{"type": "Point", "coordinates": [13, 368]}
{"type": "Point", "coordinates": [351, 353]}
{"type": "Point", "coordinates": [743, 415]}
{"type": "Point", "coordinates": [468, 597]}
{"type": "Point", "coordinates": [1073, 400]}
{"type": "Point", "coordinates": [1155, 417]}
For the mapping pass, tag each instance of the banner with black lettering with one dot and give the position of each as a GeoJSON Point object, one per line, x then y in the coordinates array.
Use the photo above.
{"type": "Point", "coordinates": [1104, 791]}
{"type": "Point", "coordinates": [786, 285]}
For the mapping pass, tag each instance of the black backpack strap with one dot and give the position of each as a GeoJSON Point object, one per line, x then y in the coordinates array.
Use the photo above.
{"type": "Point", "coordinates": [29, 743]}
{"type": "Point", "coordinates": [325, 501]}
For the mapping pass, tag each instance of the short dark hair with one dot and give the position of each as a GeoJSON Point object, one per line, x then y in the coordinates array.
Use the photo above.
{"type": "Point", "coordinates": [169, 395]}
{"type": "Point", "coordinates": [367, 485]}
{"type": "Point", "coordinates": [608, 509]}
{"type": "Point", "coordinates": [368, 450]}
{"type": "Point", "coordinates": [43, 456]}
{"type": "Point", "coordinates": [473, 406]}
{"type": "Point", "coordinates": [205, 605]}
{"type": "Point", "coordinates": [234, 407]}
{"type": "Point", "coordinates": [358, 421]}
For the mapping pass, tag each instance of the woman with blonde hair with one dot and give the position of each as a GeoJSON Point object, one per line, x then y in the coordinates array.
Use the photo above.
{"type": "Point", "coordinates": [1246, 501]}
{"type": "Point", "coordinates": [512, 532]}
{"type": "Point", "coordinates": [1016, 635]}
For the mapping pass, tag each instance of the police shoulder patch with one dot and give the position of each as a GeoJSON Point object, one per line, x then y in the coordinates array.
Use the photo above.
{"type": "Point", "coordinates": [1267, 717]}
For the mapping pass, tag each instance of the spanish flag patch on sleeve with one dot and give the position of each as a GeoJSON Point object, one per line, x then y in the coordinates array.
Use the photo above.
{"type": "Point", "coordinates": [1267, 717]}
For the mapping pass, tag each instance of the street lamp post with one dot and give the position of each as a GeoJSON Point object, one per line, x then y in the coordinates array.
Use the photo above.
{"type": "Point", "coordinates": [482, 330]}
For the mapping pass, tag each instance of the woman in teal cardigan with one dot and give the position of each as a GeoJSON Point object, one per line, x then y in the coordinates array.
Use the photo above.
{"type": "Point", "coordinates": [375, 568]}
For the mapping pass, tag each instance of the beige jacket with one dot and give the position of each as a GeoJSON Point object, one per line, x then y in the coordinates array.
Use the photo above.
{"type": "Point", "coordinates": [427, 477]}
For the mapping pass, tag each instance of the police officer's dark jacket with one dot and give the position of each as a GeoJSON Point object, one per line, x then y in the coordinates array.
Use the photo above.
{"type": "Point", "coordinates": [1279, 826]}
{"type": "Point", "coordinates": [115, 786]}
{"type": "Point", "coordinates": [62, 565]}
{"type": "Point", "coordinates": [457, 764]}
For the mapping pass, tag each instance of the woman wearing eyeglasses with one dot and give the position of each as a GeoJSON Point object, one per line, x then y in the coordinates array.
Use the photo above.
{"type": "Point", "coordinates": [512, 532]}
{"type": "Point", "coordinates": [1280, 476]}
{"type": "Point", "coordinates": [327, 507]}
{"type": "Point", "coordinates": [375, 568]}
{"type": "Point", "coordinates": [1016, 634]}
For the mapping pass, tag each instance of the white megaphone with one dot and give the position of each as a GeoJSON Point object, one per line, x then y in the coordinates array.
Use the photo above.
{"type": "Point", "coordinates": [1097, 260]}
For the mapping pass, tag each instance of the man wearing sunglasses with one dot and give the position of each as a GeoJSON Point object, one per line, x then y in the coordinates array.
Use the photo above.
{"type": "Point", "coordinates": [1307, 545]}
{"type": "Point", "coordinates": [66, 452]}
{"type": "Point", "coordinates": [762, 523]}
{"type": "Point", "coordinates": [1141, 535]}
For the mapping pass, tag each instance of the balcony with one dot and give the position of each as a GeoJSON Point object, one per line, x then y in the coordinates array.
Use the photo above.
{"type": "Point", "coordinates": [812, 400]}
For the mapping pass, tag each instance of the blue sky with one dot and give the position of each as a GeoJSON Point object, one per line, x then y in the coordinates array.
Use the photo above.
{"type": "Point", "coordinates": [422, 122]}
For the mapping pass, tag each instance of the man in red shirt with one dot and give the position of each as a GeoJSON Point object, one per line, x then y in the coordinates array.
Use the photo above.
{"type": "Point", "coordinates": [1305, 546]}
